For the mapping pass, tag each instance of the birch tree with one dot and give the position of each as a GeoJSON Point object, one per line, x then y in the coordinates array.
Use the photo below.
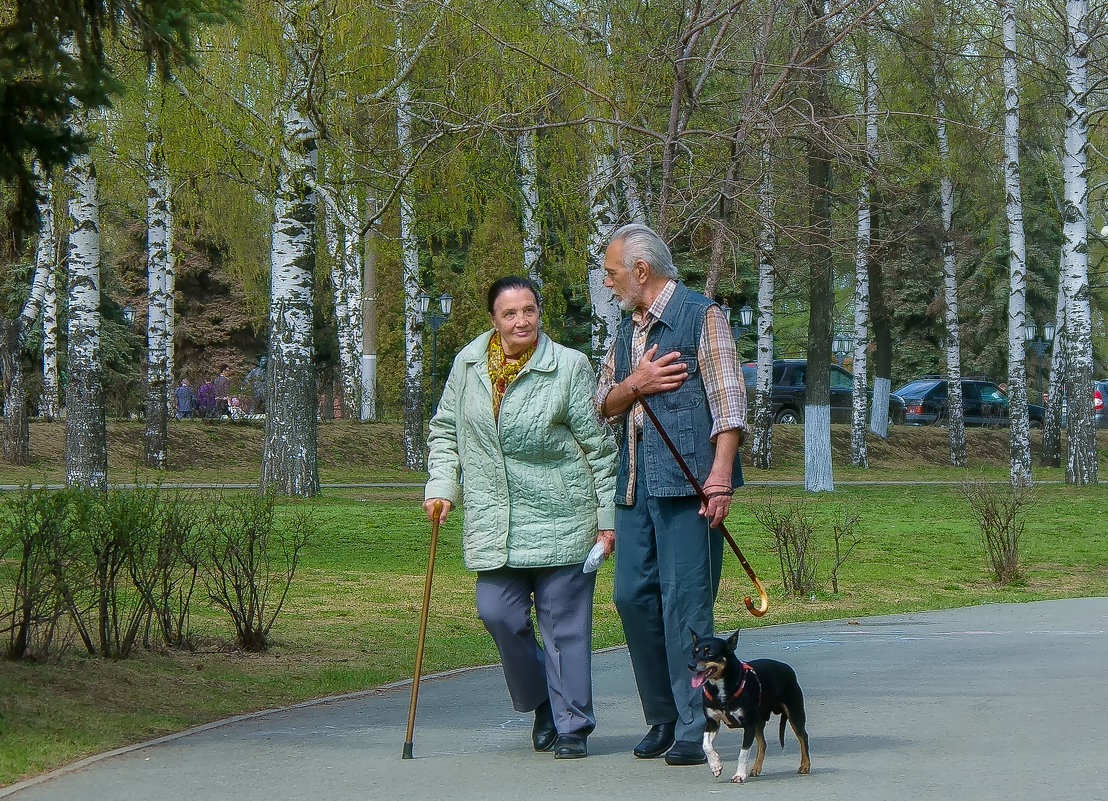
{"type": "Point", "coordinates": [409, 249]}
{"type": "Point", "coordinates": [159, 258]}
{"type": "Point", "coordinates": [858, 420]}
{"type": "Point", "coordinates": [289, 457]}
{"type": "Point", "coordinates": [86, 444]}
{"type": "Point", "coordinates": [528, 169]}
{"type": "Point", "coordinates": [1019, 425]}
{"type": "Point", "coordinates": [1081, 463]}
{"type": "Point", "coordinates": [50, 398]}
{"type": "Point", "coordinates": [761, 443]}
{"type": "Point", "coordinates": [953, 413]}
{"type": "Point", "coordinates": [17, 434]}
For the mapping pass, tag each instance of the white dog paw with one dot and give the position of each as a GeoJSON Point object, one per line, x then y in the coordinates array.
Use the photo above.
{"type": "Point", "coordinates": [738, 778]}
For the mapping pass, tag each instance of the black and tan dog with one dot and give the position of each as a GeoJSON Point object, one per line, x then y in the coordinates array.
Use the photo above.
{"type": "Point", "coordinates": [744, 695]}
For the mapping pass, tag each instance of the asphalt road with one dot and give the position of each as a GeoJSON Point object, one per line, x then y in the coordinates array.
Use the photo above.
{"type": "Point", "coordinates": [1003, 702]}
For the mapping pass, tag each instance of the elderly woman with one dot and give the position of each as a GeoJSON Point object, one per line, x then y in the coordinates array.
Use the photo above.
{"type": "Point", "coordinates": [517, 440]}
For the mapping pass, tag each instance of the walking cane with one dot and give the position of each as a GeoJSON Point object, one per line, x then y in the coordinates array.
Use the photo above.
{"type": "Point", "coordinates": [757, 611]}
{"type": "Point", "coordinates": [436, 511]}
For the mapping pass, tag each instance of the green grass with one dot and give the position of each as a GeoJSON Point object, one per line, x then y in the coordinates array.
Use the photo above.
{"type": "Point", "coordinates": [351, 619]}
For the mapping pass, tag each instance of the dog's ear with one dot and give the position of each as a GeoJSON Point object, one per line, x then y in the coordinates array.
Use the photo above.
{"type": "Point", "coordinates": [695, 636]}
{"type": "Point", "coordinates": [733, 640]}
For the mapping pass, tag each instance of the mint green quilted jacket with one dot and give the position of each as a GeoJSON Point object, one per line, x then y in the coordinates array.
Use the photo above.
{"type": "Point", "coordinates": [536, 488]}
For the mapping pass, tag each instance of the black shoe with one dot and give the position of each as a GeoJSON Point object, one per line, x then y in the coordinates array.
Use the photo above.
{"type": "Point", "coordinates": [570, 746]}
{"type": "Point", "coordinates": [544, 734]}
{"type": "Point", "coordinates": [686, 752]}
{"type": "Point", "coordinates": [656, 742]}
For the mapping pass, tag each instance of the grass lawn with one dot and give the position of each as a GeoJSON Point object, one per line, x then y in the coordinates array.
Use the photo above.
{"type": "Point", "coordinates": [352, 616]}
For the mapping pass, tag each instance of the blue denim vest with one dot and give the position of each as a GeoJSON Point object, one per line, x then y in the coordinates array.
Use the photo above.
{"type": "Point", "coordinates": [683, 412]}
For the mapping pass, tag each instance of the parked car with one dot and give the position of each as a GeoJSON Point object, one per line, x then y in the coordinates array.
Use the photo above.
{"type": "Point", "coordinates": [1100, 395]}
{"type": "Point", "coordinates": [983, 403]}
{"type": "Point", "coordinates": [788, 392]}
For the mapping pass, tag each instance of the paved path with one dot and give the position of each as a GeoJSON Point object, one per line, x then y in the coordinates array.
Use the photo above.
{"type": "Point", "coordinates": [996, 702]}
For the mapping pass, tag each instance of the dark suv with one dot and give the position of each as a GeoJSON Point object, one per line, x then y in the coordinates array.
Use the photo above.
{"type": "Point", "coordinates": [788, 392]}
{"type": "Point", "coordinates": [983, 403]}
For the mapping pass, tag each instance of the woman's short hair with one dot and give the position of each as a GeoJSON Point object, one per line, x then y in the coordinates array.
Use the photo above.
{"type": "Point", "coordinates": [643, 242]}
{"type": "Point", "coordinates": [502, 285]}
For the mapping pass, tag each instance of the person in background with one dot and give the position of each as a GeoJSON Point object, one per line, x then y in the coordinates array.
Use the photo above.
{"type": "Point", "coordinates": [676, 347]}
{"type": "Point", "coordinates": [186, 399]}
{"type": "Point", "coordinates": [223, 390]}
{"type": "Point", "coordinates": [517, 422]}
{"type": "Point", "coordinates": [255, 382]}
{"type": "Point", "coordinates": [205, 400]}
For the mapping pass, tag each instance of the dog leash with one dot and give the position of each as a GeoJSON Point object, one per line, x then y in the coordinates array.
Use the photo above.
{"type": "Point", "coordinates": [757, 611]}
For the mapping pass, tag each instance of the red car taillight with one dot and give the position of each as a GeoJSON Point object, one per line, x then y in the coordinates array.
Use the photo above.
{"type": "Point", "coordinates": [914, 409]}
{"type": "Point", "coordinates": [1098, 401]}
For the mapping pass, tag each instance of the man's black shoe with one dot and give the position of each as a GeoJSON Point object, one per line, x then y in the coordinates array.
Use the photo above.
{"type": "Point", "coordinates": [656, 742]}
{"type": "Point", "coordinates": [686, 752]}
{"type": "Point", "coordinates": [544, 734]}
{"type": "Point", "coordinates": [570, 746]}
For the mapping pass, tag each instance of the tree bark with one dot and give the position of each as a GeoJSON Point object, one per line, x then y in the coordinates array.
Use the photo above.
{"type": "Point", "coordinates": [158, 253]}
{"type": "Point", "coordinates": [86, 444]}
{"type": "Point", "coordinates": [528, 172]}
{"type": "Point", "coordinates": [603, 217]}
{"type": "Point", "coordinates": [289, 457]}
{"type": "Point", "coordinates": [954, 417]}
{"type": "Point", "coordinates": [761, 443]}
{"type": "Point", "coordinates": [1019, 434]}
{"type": "Point", "coordinates": [858, 456]}
{"type": "Point", "coordinates": [1081, 462]}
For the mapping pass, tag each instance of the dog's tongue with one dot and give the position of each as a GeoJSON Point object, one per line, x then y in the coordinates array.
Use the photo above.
{"type": "Point", "coordinates": [698, 679]}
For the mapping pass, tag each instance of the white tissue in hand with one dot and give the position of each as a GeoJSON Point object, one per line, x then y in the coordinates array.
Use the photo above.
{"type": "Point", "coordinates": [593, 560]}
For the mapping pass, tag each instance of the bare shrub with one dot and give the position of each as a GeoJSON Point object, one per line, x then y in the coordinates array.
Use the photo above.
{"type": "Point", "coordinates": [1000, 511]}
{"type": "Point", "coordinates": [793, 535]}
{"type": "Point", "coordinates": [847, 534]}
{"type": "Point", "coordinates": [252, 558]}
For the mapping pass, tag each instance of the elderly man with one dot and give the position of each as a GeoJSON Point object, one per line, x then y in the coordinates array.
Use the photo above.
{"type": "Point", "coordinates": [677, 348]}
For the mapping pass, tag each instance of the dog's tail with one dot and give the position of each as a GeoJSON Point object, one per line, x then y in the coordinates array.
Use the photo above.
{"type": "Point", "coordinates": [784, 717]}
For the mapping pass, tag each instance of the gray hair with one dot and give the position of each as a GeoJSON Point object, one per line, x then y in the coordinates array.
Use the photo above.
{"type": "Point", "coordinates": [643, 242]}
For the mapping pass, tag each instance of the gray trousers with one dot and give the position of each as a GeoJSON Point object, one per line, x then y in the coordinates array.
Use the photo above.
{"type": "Point", "coordinates": [562, 671]}
{"type": "Point", "coordinates": [666, 577]}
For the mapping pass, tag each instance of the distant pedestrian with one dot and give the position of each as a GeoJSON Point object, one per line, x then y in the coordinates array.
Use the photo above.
{"type": "Point", "coordinates": [186, 399]}
{"type": "Point", "coordinates": [223, 390]}
{"type": "Point", "coordinates": [255, 382]}
{"type": "Point", "coordinates": [205, 400]}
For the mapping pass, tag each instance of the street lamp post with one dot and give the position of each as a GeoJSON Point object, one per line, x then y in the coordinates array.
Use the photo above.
{"type": "Point", "coordinates": [435, 319]}
{"type": "Point", "coordinates": [841, 346]}
{"type": "Point", "coordinates": [739, 327]}
{"type": "Point", "coordinates": [1040, 344]}
{"type": "Point", "coordinates": [129, 315]}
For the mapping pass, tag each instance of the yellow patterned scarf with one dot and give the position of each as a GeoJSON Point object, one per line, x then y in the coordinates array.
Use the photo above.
{"type": "Point", "coordinates": [503, 372]}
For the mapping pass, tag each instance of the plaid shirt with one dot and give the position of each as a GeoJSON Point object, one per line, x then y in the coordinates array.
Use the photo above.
{"type": "Point", "coordinates": [720, 371]}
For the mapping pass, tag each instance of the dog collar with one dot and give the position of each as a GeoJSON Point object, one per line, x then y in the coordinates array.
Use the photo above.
{"type": "Point", "coordinates": [748, 670]}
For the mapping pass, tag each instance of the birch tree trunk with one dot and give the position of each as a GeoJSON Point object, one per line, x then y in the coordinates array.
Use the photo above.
{"type": "Point", "coordinates": [86, 445]}
{"type": "Point", "coordinates": [817, 404]}
{"type": "Point", "coordinates": [289, 456]}
{"type": "Point", "coordinates": [761, 445]}
{"type": "Point", "coordinates": [1081, 463]}
{"type": "Point", "coordinates": [603, 216]}
{"type": "Point", "coordinates": [882, 330]}
{"type": "Point", "coordinates": [1051, 455]}
{"type": "Point", "coordinates": [529, 189]}
{"type": "Point", "coordinates": [409, 245]}
{"type": "Point", "coordinates": [954, 418]}
{"type": "Point", "coordinates": [1019, 433]}
{"type": "Point", "coordinates": [50, 400]}
{"type": "Point", "coordinates": [158, 253]}
{"type": "Point", "coordinates": [368, 372]}
{"type": "Point", "coordinates": [16, 431]}
{"type": "Point", "coordinates": [345, 259]}
{"type": "Point", "coordinates": [858, 456]}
